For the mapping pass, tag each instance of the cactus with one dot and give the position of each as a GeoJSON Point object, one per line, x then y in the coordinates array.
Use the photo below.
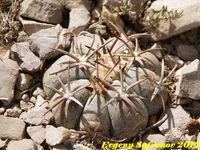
{"type": "Point", "coordinates": [119, 89]}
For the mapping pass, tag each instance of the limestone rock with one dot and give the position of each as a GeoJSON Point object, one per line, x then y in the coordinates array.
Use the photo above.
{"type": "Point", "coordinates": [29, 62]}
{"type": "Point", "coordinates": [188, 80]}
{"type": "Point", "coordinates": [24, 81]}
{"type": "Point", "coordinates": [31, 26]}
{"type": "Point", "coordinates": [37, 116]}
{"type": "Point", "coordinates": [48, 11]}
{"type": "Point", "coordinates": [24, 144]}
{"type": "Point", "coordinates": [11, 128]}
{"type": "Point", "coordinates": [9, 72]}
{"type": "Point", "coordinates": [37, 133]}
{"type": "Point", "coordinates": [13, 112]}
{"type": "Point", "coordinates": [3, 144]}
{"type": "Point", "coordinates": [174, 135]}
{"type": "Point", "coordinates": [44, 41]}
{"type": "Point", "coordinates": [167, 29]}
{"type": "Point", "coordinates": [187, 52]}
{"type": "Point", "coordinates": [25, 105]}
{"type": "Point", "coordinates": [56, 136]}
{"type": "Point", "coordinates": [176, 118]}
{"type": "Point", "coordinates": [78, 25]}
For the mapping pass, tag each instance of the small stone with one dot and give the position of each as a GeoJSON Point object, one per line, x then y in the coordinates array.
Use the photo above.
{"type": "Point", "coordinates": [174, 136]}
{"type": "Point", "coordinates": [24, 144]}
{"type": "Point", "coordinates": [25, 105]}
{"type": "Point", "coordinates": [33, 100]}
{"type": "Point", "coordinates": [37, 116]}
{"type": "Point", "coordinates": [154, 138]}
{"type": "Point", "coordinates": [13, 112]}
{"type": "Point", "coordinates": [11, 128]}
{"type": "Point", "coordinates": [25, 97]}
{"type": "Point", "coordinates": [176, 118]}
{"type": "Point", "coordinates": [28, 60]}
{"type": "Point", "coordinates": [40, 102]}
{"type": "Point", "coordinates": [2, 110]}
{"type": "Point", "coordinates": [189, 81]}
{"type": "Point", "coordinates": [81, 147]}
{"type": "Point", "coordinates": [60, 147]}
{"type": "Point", "coordinates": [48, 11]}
{"type": "Point", "coordinates": [9, 70]}
{"type": "Point", "coordinates": [24, 81]}
{"type": "Point", "coordinates": [31, 26]}
{"type": "Point", "coordinates": [187, 52]}
{"type": "Point", "coordinates": [37, 133]}
{"type": "Point", "coordinates": [2, 144]}
{"type": "Point", "coordinates": [56, 136]}
{"type": "Point", "coordinates": [38, 91]}
{"type": "Point", "coordinates": [171, 61]}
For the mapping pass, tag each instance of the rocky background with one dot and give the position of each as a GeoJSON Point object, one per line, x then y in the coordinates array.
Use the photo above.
{"type": "Point", "coordinates": [31, 30]}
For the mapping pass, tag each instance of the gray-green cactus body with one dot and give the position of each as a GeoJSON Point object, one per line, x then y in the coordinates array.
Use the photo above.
{"type": "Point", "coordinates": [71, 118]}
{"type": "Point", "coordinates": [126, 121]}
{"type": "Point", "coordinates": [146, 89]}
{"type": "Point", "coordinates": [51, 79]}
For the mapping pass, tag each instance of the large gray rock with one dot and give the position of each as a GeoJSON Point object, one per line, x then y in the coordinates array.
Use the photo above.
{"type": "Point", "coordinates": [24, 144]}
{"type": "Point", "coordinates": [37, 116]}
{"type": "Point", "coordinates": [176, 118]}
{"type": "Point", "coordinates": [48, 11]}
{"type": "Point", "coordinates": [56, 136]}
{"type": "Point", "coordinates": [31, 26]}
{"type": "Point", "coordinates": [167, 29]}
{"type": "Point", "coordinates": [188, 80]}
{"type": "Point", "coordinates": [80, 24]}
{"type": "Point", "coordinates": [187, 52]}
{"type": "Point", "coordinates": [44, 41]}
{"type": "Point", "coordinates": [37, 133]}
{"type": "Point", "coordinates": [9, 71]}
{"type": "Point", "coordinates": [27, 59]}
{"type": "Point", "coordinates": [11, 128]}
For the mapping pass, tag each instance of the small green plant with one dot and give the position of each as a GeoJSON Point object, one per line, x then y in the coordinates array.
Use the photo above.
{"type": "Point", "coordinates": [124, 8]}
{"type": "Point", "coordinates": [154, 17]}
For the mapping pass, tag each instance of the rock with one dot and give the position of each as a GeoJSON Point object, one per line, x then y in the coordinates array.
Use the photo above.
{"type": "Point", "coordinates": [74, 111]}
{"type": "Point", "coordinates": [78, 25]}
{"type": "Point", "coordinates": [48, 11]}
{"type": "Point", "coordinates": [2, 110]}
{"type": "Point", "coordinates": [8, 128]}
{"type": "Point", "coordinates": [187, 52]}
{"type": "Point", "coordinates": [44, 41]}
{"type": "Point", "coordinates": [13, 112]}
{"type": "Point", "coordinates": [154, 138]}
{"type": "Point", "coordinates": [3, 144]}
{"type": "Point", "coordinates": [64, 41]}
{"type": "Point", "coordinates": [25, 105]}
{"type": "Point", "coordinates": [97, 27]}
{"type": "Point", "coordinates": [60, 147]}
{"type": "Point", "coordinates": [52, 80]}
{"type": "Point", "coordinates": [175, 135]}
{"type": "Point", "coordinates": [176, 118]}
{"type": "Point", "coordinates": [24, 144]}
{"type": "Point", "coordinates": [193, 108]}
{"type": "Point", "coordinates": [71, 4]}
{"type": "Point", "coordinates": [9, 72]}
{"type": "Point", "coordinates": [37, 133]}
{"type": "Point", "coordinates": [171, 61]}
{"type": "Point", "coordinates": [37, 116]}
{"type": "Point", "coordinates": [25, 97]}
{"type": "Point", "coordinates": [81, 147]}
{"type": "Point", "coordinates": [33, 100]}
{"type": "Point", "coordinates": [40, 102]}
{"type": "Point", "coordinates": [24, 81]}
{"type": "Point", "coordinates": [167, 29]}
{"type": "Point", "coordinates": [56, 136]}
{"type": "Point", "coordinates": [38, 91]}
{"type": "Point", "coordinates": [188, 81]}
{"type": "Point", "coordinates": [27, 59]}
{"type": "Point", "coordinates": [30, 26]}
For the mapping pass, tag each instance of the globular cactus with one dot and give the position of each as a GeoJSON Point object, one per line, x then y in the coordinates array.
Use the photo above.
{"type": "Point", "coordinates": [117, 87]}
